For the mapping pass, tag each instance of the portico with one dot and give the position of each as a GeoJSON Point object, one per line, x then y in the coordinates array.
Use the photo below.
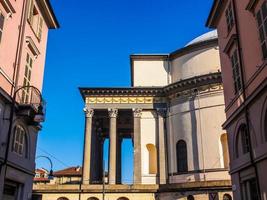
{"type": "Point", "coordinates": [117, 117]}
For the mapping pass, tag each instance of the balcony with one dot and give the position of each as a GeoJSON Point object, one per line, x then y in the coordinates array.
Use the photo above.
{"type": "Point", "coordinates": [30, 104]}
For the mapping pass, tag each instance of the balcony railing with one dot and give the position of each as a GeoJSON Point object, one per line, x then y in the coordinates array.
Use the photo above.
{"type": "Point", "coordinates": [30, 97]}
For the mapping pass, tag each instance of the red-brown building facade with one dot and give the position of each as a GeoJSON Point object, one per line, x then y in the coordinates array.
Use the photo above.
{"type": "Point", "coordinates": [242, 32]}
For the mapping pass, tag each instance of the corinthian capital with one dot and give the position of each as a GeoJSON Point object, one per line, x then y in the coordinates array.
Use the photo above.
{"type": "Point", "coordinates": [89, 112]}
{"type": "Point", "coordinates": [113, 112]}
{"type": "Point", "coordinates": [162, 112]}
{"type": "Point", "coordinates": [137, 112]}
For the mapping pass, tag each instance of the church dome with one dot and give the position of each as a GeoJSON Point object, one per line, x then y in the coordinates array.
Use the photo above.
{"type": "Point", "coordinates": [207, 36]}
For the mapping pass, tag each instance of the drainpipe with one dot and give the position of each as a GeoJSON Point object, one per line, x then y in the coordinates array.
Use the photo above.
{"type": "Point", "coordinates": [242, 71]}
{"type": "Point", "coordinates": [19, 46]}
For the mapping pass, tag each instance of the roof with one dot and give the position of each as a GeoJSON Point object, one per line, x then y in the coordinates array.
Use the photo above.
{"type": "Point", "coordinates": [41, 170]}
{"type": "Point", "coordinates": [206, 36]}
{"type": "Point", "coordinates": [71, 171]}
{"type": "Point", "coordinates": [49, 14]}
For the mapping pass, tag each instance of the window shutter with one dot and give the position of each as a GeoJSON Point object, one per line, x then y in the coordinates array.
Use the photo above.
{"type": "Point", "coordinates": [2, 19]}
{"type": "Point", "coordinates": [30, 14]}
{"type": "Point", "coordinates": [40, 27]}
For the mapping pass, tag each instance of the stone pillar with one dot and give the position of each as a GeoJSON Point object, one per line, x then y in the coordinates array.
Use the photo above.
{"type": "Point", "coordinates": [113, 113]}
{"type": "Point", "coordinates": [137, 146]}
{"type": "Point", "coordinates": [162, 146]}
{"type": "Point", "coordinates": [86, 178]}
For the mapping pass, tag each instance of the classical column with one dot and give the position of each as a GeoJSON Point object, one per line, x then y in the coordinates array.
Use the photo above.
{"type": "Point", "coordinates": [113, 113]}
{"type": "Point", "coordinates": [162, 146]}
{"type": "Point", "coordinates": [137, 146]}
{"type": "Point", "coordinates": [87, 145]}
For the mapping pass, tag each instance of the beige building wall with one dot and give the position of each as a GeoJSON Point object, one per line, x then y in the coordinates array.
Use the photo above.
{"type": "Point", "coordinates": [108, 196]}
{"type": "Point", "coordinates": [150, 72]}
{"type": "Point", "coordinates": [196, 63]}
{"type": "Point", "coordinates": [194, 121]}
{"type": "Point", "coordinates": [148, 137]}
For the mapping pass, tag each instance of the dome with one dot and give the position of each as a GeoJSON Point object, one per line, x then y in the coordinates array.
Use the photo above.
{"type": "Point", "coordinates": [207, 36]}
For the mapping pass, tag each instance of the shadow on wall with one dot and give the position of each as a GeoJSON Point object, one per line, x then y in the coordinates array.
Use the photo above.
{"type": "Point", "coordinates": [194, 135]}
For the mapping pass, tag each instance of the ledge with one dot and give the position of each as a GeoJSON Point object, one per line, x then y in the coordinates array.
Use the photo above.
{"type": "Point", "coordinates": [179, 86]}
{"type": "Point", "coordinates": [139, 188]}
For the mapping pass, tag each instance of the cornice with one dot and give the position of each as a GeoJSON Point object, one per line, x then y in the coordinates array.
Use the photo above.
{"type": "Point", "coordinates": [215, 13]}
{"type": "Point", "coordinates": [194, 47]}
{"type": "Point", "coordinates": [180, 86]}
{"type": "Point", "coordinates": [48, 13]}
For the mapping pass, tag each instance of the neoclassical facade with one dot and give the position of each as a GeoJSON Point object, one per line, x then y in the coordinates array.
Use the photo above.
{"type": "Point", "coordinates": [173, 113]}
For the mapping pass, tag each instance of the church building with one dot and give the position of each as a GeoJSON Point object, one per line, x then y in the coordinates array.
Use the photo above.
{"type": "Point", "coordinates": [173, 112]}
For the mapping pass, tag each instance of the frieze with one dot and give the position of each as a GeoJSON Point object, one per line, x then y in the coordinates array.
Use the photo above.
{"type": "Point", "coordinates": [125, 100]}
{"type": "Point", "coordinates": [197, 91]}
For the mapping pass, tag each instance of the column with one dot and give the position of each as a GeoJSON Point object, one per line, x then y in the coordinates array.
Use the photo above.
{"type": "Point", "coordinates": [113, 113]}
{"type": "Point", "coordinates": [162, 146]}
{"type": "Point", "coordinates": [87, 145]}
{"type": "Point", "coordinates": [137, 146]}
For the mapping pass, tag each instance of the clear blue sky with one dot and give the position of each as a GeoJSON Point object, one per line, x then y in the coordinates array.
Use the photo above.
{"type": "Point", "coordinates": [92, 48]}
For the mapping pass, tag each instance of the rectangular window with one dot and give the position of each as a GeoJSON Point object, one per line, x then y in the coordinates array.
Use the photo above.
{"type": "Point", "coordinates": [19, 136]}
{"type": "Point", "coordinates": [35, 20]}
{"type": "Point", "coordinates": [236, 71]}
{"type": "Point", "coordinates": [229, 17]}
{"type": "Point", "coordinates": [2, 20]}
{"type": "Point", "coordinates": [40, 27]}
{"type": "Point", "coordinates": [262, 26]}
{"type": "Point", "coordinates": [250, 189]}
{"type": "Point", "coordinates": [27, 79]}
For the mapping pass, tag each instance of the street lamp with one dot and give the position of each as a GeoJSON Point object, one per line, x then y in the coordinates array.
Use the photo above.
{"type": "Point", "coordinates": [50, 175]}
{"type": "Point", "coordinates": [33, 94]}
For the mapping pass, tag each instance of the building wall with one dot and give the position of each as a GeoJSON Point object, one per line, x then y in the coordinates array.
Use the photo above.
{"type": "Point", "coordinates": [14, 47]}
{"type": "Point", "coordinates": [195, 63]}
{"type": "Point", "coordinates": [192, 120]}
{"type": "Point", "coordinates": [247, 106]}
{"type": "Point", "coordinates": [148, 136]}
{"type": "Point", "coordinates": [8, 44]}
{"type": "Point", "coordinates": [109, 196]}
{"type": "Point", "coordinates": [150, 72]}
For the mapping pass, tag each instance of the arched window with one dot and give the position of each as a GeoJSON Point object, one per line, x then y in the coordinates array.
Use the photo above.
{"type": "Point", "coordinates": [181, 154]}
{"type": "Point", "coordinates": [190, 197]}
{"type": "Point", "coordinates": [227, 197]}
{"type": "Point", "coordinates": [92, 198]}
{"type": "Point", "coordinates": [62, 198]}
{"type": "Point", "coordinates": [242, 140]}
{"type": "Point", "coordinates": [225, 150]}
{"type": "Point", "coordinates": [152, 154]}
{"type": "Point", "coordinates": [19, 140]}
{"type": "Point", "coordinates": [122, 198]}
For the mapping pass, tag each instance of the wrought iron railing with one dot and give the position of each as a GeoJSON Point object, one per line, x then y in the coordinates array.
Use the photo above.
{"type": "Point", "coordinates": [30, 96]}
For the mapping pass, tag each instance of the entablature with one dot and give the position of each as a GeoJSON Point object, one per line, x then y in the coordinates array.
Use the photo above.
{"type": "Point", "coordinates": [148, 97]}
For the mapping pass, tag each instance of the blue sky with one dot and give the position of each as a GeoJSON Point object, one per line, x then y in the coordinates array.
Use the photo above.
{"type": "Point", "coordinates": [92, 48]}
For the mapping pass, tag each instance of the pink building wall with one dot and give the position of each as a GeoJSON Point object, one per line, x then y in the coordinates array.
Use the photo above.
{"type": "Point", "coordinates": [248, 106]}
{"type": "Point", "coordinates": [15, 41]}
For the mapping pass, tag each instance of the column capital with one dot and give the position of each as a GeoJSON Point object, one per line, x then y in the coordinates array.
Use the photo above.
{"type": "Point", "coordinates": [137, 112]}
{"type": "Point", "coordinates": [113, 112]}
{"type": "Point", "coordinates": [89, 112]}
{"type": "Point", "coordinates": [162, 112]}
